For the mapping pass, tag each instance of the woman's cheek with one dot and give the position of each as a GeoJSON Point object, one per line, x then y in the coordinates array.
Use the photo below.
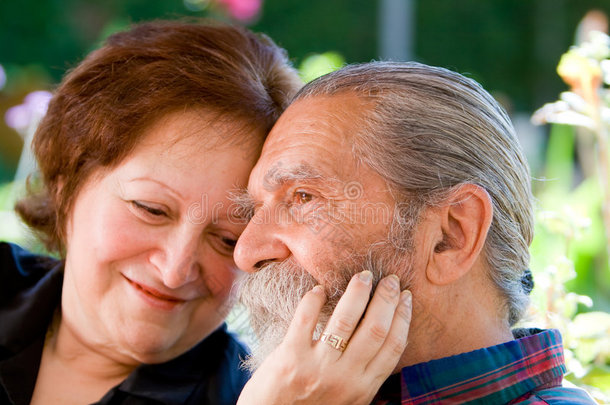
{"type": "Point", "coordinates": [122, 235]}
{"type": "Point", "coordinates": [220, 274]}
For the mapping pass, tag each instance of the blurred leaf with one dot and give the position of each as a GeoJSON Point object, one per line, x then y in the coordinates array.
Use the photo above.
{"type": "Point", "coordinates": [597, 47]}
{"type": "Point", "coordinates": [12, 229]}
{"type": "Point", "coordinates": [318, 65]}
{"type": "Point", "coordinates": [112, 27]}
{"type": "Point", "coordinates": [575, 102]}
{"type": "Point", "coordinates": [587, 201]}
{"type": "Point", "coordinates": [559, 157]}
{"type": "Point", "coordinates": [574, 68]}
{"type": "Point", "coordinates": [598, 377]}
{"type": "Point", "coordinates": [6, 196]}
{"type": "Point", "coordinates": [593, 329]}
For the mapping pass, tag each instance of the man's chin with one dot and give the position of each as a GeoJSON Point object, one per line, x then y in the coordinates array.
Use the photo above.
{"type": "Point", "coordinates": [267, 341]}
{"type": "Point", "coordinates": [273, 293]}
{"type": "Point", "coordinates": [271, 296]}
{"type": "Point", "coordinates": [270, 330]}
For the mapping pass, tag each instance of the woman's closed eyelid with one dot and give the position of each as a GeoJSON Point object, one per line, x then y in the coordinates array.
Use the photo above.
{"type": "Point", "coordinates": [149, 209]}
{"type": "Point", "coordinates": [224, 245]}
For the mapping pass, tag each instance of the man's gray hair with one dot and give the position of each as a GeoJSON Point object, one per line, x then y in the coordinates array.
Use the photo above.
{"type": "Point", "coordinates": [432, 129]}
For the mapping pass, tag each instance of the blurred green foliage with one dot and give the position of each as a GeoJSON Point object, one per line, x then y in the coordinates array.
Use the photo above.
{"type": "Point", "coordinates": [317, 65]}
{"type": "Point", "coordinates": [510, 46]}
{"type": "Point", "coordinates": [570, 253]}
{"type": "Point", "coordinates": [570, 267]}
{"type": "Point", "coordinates": [12, 229]}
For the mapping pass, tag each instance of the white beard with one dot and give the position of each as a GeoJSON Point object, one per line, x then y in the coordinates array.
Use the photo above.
{"type": "Point", "coordinates": [273, 293]}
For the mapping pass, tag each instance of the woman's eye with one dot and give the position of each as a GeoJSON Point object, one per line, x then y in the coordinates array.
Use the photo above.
{"type": "Point", "coordinates": [223, 244]}
{"type": "Point", "coordinates": [228, 242]}
{"type": "Point", "coordinates": [148, 209]}
{"type": "Point", "coordinates": [301, 197]}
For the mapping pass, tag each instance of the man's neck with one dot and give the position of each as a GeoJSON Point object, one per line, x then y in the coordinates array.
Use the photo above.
{"type": "Point", "coordinates": [443, 328]}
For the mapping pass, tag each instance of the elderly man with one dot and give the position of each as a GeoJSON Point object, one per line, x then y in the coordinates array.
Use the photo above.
{"type": "Point", "coordinates": [413, 170]}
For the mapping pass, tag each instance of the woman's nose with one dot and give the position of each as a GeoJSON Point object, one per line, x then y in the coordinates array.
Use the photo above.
{"type": "Point", "coordinates": [178, 262]}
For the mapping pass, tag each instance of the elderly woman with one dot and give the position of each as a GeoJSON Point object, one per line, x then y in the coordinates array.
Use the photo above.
{"type": "Point", "coordinates": [138, 153]}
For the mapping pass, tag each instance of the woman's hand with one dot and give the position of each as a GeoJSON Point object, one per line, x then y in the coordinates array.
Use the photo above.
{"type": "Point", "coordinates": [304, 371]}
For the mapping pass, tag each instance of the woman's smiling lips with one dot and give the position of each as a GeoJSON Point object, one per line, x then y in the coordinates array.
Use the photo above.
{"type": "Point", "coordinates": [154, 297]}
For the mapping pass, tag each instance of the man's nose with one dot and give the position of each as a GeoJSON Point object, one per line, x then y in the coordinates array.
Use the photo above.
{"type": "Point", "coordinates": [178, 262]}
{"type": "Point", "coordinates": [259, 243]}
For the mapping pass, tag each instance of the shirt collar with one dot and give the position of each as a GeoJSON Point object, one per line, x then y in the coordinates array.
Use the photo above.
{"type": "Point", "coordinates": [496, 374]}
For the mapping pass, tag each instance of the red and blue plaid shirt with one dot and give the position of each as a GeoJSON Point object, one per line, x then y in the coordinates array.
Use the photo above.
{"type": "Point", "coordinates": [525, 371]}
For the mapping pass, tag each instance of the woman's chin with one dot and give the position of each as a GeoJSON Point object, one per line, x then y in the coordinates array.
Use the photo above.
{"type": "Point", "coordinates": [152, 346]}
{"type": "Point", "coordinates": [149, 341]}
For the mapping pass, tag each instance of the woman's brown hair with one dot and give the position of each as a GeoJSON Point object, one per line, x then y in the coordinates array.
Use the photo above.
{"type": "Point", "coordinates": [101, 108]}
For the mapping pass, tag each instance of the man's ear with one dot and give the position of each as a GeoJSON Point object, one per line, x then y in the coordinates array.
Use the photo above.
{"type": "Point", "coordinates": [460, 227]}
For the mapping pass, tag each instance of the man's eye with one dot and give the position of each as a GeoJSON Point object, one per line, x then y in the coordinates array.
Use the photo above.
{"type": "Point", "coordinates": [150, 210]}
{"type": "Point", "coordinates": [301, 197]}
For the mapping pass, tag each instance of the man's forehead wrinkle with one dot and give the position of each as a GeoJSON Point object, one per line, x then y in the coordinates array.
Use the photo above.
{"type": "Point", "coordinates": [325, 124]}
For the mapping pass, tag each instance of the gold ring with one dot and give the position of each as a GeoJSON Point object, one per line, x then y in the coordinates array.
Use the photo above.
{"type": "Point", "coordinates": [334, 341]}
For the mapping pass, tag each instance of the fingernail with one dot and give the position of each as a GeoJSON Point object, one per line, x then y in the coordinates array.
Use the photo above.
{"type": "Point", "coordinates": [406, 297]}
{"type": "Point", "coordinates": [393, 282]}
{"type": "Point", "coordinates": [366, 276]}
{"type": "Point", "coordinates": [318, 289]}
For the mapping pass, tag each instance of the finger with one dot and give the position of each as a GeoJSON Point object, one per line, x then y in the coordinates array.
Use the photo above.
{"type": "Point", "coordinates": [303, 324]}
{"type": "Point", "coordinates": [350, 308]}
{"type": "Point", "coordinates": [395, 344]}
{"type": "Point", "coordinates": [375, 327]}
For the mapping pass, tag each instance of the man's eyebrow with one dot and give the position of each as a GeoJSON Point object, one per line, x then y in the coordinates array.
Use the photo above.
{"type": "Point", "coordinates": [244, 203]}
{"type": "Point", "coordinates": [278, 175]}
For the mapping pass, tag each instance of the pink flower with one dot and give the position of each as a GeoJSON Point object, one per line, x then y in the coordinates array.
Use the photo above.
{"type": "Point", "coordinates": [2, 77]}
{"type": "Point", "coordinates": [34, 107]}
{"type": "Point", "coordinates": [243, 10]}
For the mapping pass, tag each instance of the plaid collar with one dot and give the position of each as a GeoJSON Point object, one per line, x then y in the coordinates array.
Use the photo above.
{"type": "Point", "coordinates": [495, 375]}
